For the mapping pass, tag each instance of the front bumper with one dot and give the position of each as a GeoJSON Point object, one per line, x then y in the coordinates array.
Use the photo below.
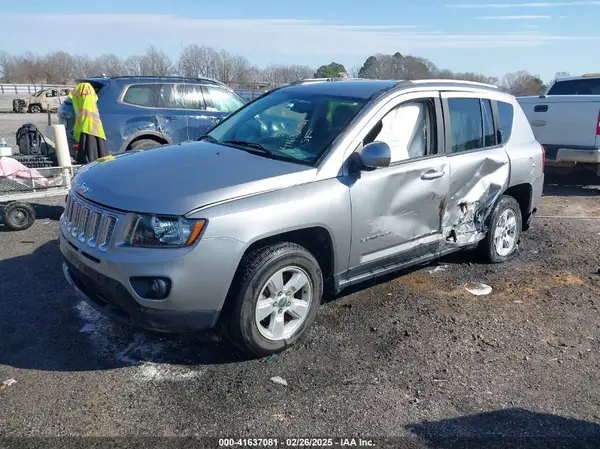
{"type": "Point", "coordinates": [200, 281]}
{"type": "Point", "coordinates": [112, 299]}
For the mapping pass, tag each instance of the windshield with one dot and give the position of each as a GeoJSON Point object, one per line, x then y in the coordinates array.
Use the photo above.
{"type": "Point", "coordinates": [289, 124]}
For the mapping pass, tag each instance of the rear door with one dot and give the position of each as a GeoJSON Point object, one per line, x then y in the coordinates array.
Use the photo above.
{"type": "Point", "coordinates": [479, 165]}
{"type": "Point", "coordinates": [199, 119]}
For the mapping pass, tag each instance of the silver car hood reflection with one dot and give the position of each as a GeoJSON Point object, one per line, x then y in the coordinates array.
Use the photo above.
{"type": "Point", "coordinates": [173, 180]}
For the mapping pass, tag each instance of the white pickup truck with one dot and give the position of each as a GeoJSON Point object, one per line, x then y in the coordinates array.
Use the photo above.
{"type": "Point", "coordinates": [566, 121]}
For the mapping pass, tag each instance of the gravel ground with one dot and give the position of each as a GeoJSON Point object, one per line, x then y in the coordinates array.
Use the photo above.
{"type": "Point", "coordinates": [415, 356]}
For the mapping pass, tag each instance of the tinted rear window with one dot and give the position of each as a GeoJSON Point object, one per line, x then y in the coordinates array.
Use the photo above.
{"type": "Point", "coordinates": [505, 121]}
{"type": "Point", "coordinates": [142, 95]}
{"type": "Point", "coordinates": [586, 86]}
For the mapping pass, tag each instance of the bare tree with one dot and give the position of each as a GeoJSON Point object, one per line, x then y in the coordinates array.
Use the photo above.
{"type": "Point", "coordinates": [134, 65]}
{"type": "Point", "coordinates": [469, 76]}
{"type": "Point", "coordinates": [354, 72]}
{"type": "Point", "coordinates": [561, 75]}
{"type": "Point", "coordinates": [8, 68]}
{"type": "Point", "coordinates": [111, 65]}
{"type": "Point", "coordinates": [84, 66]}
{"type": "Point", "coordinates": [157, 62]}
{"type": "Point", "coordinates": [30, 68]}
{"type": "Point", "coordinates": [522, 83]}
{"type": "Point", "coordinates": [59, 67]}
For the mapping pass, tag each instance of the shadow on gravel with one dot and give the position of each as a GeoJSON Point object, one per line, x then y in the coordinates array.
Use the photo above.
{"type": "Point", "coordinates": [575, 184]}
{"type": "Point", "coordinates": [43, 326]}
{"type": "Point", "coordinates": [509, 428]}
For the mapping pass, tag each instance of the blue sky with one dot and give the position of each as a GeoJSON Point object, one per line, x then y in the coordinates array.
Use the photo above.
{"type": "Point", "coordinates": [490, 37]}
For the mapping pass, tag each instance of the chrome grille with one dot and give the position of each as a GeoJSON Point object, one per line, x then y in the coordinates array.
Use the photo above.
{"type": "Point", "coordinates": [88, 223]}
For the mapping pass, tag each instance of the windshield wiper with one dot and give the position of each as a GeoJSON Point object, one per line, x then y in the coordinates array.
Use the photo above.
{"type": "Point", "coordinates": [253, 145]}
{"type": "Point", "coordinates": [209, 138]}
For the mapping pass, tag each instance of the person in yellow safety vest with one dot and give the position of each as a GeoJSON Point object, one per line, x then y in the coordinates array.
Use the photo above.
{"type": "Point", "coordinates": [88, 130]}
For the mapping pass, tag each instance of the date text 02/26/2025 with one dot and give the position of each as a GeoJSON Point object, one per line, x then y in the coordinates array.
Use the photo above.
{"type": "Point", "coordinates": [295, 442]}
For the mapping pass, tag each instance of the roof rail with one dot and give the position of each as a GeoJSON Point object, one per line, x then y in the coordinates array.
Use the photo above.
{"type": "Point", "coordinates": [591, 75]}
{"type": "Point", "coordinates": [170, 77]}
{"type": "Point", "coordinates": [451, 81]}
{"type": "Point", "coordinates": [321, 80]}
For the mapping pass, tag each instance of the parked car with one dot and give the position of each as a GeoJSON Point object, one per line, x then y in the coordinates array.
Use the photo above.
{"type": "Point", "coordinates": [41, 101]}
{"type": "Point", "coordinates": [314, 187]}
{"type": "Point", "coordinates": [139, 113]}
{"type": "Point", "coordinates": [566, 121]}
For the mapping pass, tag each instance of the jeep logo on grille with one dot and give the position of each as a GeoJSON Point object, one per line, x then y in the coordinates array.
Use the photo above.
{"type": "Point", "coordinates": [82, 189]}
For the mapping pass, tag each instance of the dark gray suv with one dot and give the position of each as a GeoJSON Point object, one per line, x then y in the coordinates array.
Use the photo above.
{"type": "Point", "coordinates": [139, 113]}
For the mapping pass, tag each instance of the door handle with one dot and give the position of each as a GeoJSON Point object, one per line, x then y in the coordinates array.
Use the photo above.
{"type": "Point", "coordinates": [432, 174]}
{"type": "Point", "coordinates": [540, 108]}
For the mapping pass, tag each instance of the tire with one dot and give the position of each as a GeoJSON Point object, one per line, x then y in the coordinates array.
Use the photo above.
{"type": "Point", "coordinates": [144, 144]}
{"type": "Point", "coordinates": [35, 109]}
{"type": "Point", "coordinates": [240, 322]}
{"type": "Point", "coordinates": [18, 216]}
{"type": "Point", "coordinates": [506, 208]}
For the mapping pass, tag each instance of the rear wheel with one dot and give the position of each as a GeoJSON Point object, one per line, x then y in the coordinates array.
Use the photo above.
{"type": "Point", "coordinates": [18, 216]}
{"type": "Point", "coordinates": [277, 296]}
{"type": "Point", "coordinates": [144, 144]}
{"type": "Point", "coordinates": [506, 224]}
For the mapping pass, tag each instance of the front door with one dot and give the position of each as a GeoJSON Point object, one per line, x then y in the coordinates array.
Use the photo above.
{"type": "Point", "coordinates": [397, 210]}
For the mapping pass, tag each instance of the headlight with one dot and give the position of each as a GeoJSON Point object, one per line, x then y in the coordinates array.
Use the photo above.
{"type": "Point", "coordinates": [169, 232]}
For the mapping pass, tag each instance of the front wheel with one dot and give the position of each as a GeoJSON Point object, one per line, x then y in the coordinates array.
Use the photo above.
{"type": "Point", "coordinates": [506, 224]}
{"type": "Point", "coordinates": [275, 300]}
{"type": "Point", "coordinates": [35, 109]}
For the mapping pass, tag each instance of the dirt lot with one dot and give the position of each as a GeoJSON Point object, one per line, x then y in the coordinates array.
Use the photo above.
{"type": "Point", "coordinates": [414, 356]}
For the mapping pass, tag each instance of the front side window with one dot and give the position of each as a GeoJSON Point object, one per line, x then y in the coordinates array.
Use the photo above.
{"type": "Point", "coordinates": [145, 95]}
{"type": "Point", "coordinates": [287, 124]}
{"type": "Point", "coordinates": [466, 124]}
{"type": "Point", "coordinates": [408, 129]}
{"type": "Point", "coordinates": [222, 100]}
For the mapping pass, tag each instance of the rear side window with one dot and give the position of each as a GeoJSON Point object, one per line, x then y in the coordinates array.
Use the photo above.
{"type": "Point", "coordinates": [466, 124]}
{"type": "Point", "coordinates": [192, 97]}
{"type": "Point", "coordinates": [170, 97]}
{"type": "Point", "coordinates": [221, 100]}
{"type": "Point", "coordinates": [585, 86]}
{"type": "Point", "coordinates": [489, 136]}
{"type": "Point", "coordinates": [145, 95]}
{"type": "Point", "coordinates": [505, 121]}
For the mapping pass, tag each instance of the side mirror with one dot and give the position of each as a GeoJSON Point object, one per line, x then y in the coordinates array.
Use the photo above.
{"type": "Point", "coordinates": [375, 154]}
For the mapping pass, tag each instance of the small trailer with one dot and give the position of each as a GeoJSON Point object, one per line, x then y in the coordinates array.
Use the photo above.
{"type": "Point", "coordinates": [20, 184]}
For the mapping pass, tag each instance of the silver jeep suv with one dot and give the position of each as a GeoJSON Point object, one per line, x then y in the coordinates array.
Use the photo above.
{"type": "Point", "coordinates": [312, 187]}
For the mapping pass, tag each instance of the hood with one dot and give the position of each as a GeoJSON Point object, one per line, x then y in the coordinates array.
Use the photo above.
{"type": "Point", "coordinates": [28, 98]}
{"type": "Point", "coordinates": [176, 179]}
